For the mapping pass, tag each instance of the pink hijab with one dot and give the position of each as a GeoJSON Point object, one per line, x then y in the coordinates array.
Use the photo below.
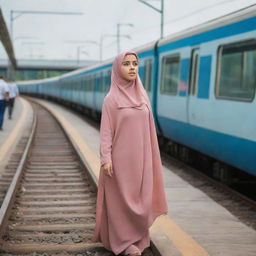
{"type": "Point", "coordinates": [126, 93]}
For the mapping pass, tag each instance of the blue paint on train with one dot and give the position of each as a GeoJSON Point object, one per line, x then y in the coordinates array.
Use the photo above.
{"type": "Point", "coordinates": [184, 77]}
{"type": "Point", "coordinates": [204, 77]}
{"type": "Point", "coordinates": [213, 34]}
{"type": "Point", "coordinates": [240, 152]}
{"type": "Point", "coordinates": [146, 54]}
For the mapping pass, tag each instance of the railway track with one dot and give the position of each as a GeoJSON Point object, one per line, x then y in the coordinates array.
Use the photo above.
{"type": "Point", "coordinates": [53, 209]}
{"type": "Point", "coordinates": [49, 208]}
{"type": "Point", "coordinates": [7, 174]}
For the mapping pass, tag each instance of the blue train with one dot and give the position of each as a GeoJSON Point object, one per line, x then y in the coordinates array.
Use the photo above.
{"type": "Point", "coordinates": [201, 83]}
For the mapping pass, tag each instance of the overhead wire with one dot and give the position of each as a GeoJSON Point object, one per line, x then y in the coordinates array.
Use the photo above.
{"type": "Point", "coordinates": [186, 15]}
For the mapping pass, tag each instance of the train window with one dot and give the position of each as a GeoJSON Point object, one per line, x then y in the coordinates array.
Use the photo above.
{"type": "Point", "coordinates": [83, 84]}
{"type": "Point", "coordinates": [88, 83]}
{"type": "Point", "coordinates": [94, 82]}
{"type": "Point", "coordinates": [236, 76]}
{"type": "Point", "coordinates": [102, 82]}
{"type": "Point", "coordinates": [99, 82]}
{"type": "Point", "coordinates": [148, 74]}
{"type": "Point", "coordinates": [95, 78]}
{"type": "Point", "coordinates": [108, 80]}
{"type": "Point", "coordinates": [194, 69]}
{"type": "Point", "coordinates": [78, 84]}
{"type": "Point", "coordinates": [170, 74]}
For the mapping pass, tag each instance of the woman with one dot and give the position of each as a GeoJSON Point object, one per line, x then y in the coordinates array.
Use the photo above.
{"type": "Point", "coordinates": [130, 192]}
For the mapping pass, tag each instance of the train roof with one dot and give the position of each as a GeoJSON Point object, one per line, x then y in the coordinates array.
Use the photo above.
{"type": "Point", "coordinates": [139, 49]}
{"type": "Point", "coordinates": [229, 18]}
{"type": "Point", "coordinates": [82, 70]}
{"type": "Point", "coordinates": [50, 79]}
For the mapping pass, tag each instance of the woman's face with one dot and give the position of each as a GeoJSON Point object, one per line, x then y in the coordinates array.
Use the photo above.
{"type": "Point", "coordinates": [129, 67]}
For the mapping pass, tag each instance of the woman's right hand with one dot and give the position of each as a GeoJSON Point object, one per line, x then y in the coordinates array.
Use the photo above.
{"type": "Point", "coordinates": [107, 168]}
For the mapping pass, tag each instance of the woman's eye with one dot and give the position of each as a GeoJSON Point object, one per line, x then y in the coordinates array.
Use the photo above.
{"type": "Point", "coordinates": [135, 63]}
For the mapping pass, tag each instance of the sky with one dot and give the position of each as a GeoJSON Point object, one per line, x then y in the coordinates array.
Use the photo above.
{"type": "Point", "coordinates": [63, 36]}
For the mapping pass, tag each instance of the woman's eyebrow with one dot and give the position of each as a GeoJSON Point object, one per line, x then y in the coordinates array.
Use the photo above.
{"type": "Point", "coordinates": [127, 61]}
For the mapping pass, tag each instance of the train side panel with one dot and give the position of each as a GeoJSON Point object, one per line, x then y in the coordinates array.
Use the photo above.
{"type": "Point", "coordinates": [219, 127]}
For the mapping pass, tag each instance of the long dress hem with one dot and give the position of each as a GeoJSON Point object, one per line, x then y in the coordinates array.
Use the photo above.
{"type": "Point", "coordinates": [97, 237]}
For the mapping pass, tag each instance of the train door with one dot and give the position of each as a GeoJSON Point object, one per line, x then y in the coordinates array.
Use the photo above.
{"type": "Point", "coordinates": [193, 84]}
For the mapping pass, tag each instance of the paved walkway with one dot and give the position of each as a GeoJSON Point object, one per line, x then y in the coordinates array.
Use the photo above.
{"type": "Point", "coordinates": [14, 129]}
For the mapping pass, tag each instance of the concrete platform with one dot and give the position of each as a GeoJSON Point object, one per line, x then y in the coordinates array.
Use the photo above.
{"type": "Point", "coordinates": [195, 226]}
{"type": "Point", "coordinates": [14, 129]}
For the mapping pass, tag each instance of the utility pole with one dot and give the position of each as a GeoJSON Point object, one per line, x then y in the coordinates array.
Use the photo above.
{"type": "Point", "coordinates": [82, 43]}
{"type": "Point", "coordinates": [32, 43]}
{"type": "Point", "coordinates": [101, 43]}
{"type": "Point", "coordinates": [78, 54]}
{"type": "Point", "coordinates": [161, 11]}
{"type": "Point", "coordinates": [118, 34]}
{"type": "Point", "coordinates": [108, 35]}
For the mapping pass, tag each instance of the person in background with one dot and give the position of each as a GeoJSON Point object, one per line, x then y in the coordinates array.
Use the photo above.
{"type": "Point", "coordinates": [4, 97]}
{"type": "Point", "coordinates": [14, 92]}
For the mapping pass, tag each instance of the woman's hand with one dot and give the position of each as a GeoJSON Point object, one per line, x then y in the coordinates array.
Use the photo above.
{"type": "Point", "coordinates": [107, 168]}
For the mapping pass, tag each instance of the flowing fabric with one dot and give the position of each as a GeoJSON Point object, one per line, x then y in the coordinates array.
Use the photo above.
{"type": "Point", "coordinates": [130, 200]}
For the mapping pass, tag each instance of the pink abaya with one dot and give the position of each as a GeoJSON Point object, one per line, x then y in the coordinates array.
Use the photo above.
{"type": "Point", "coordinates": [130, 200]}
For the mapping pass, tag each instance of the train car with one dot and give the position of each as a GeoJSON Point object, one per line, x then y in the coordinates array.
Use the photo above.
{"type": "Point", "coordinates": [201, 83]}
{"type": "Point", "coordinates": [206, 89]}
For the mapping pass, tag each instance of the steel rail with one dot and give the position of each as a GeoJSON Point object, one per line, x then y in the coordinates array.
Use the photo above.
{"type": "Point", "coordinates": [11, 192]}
